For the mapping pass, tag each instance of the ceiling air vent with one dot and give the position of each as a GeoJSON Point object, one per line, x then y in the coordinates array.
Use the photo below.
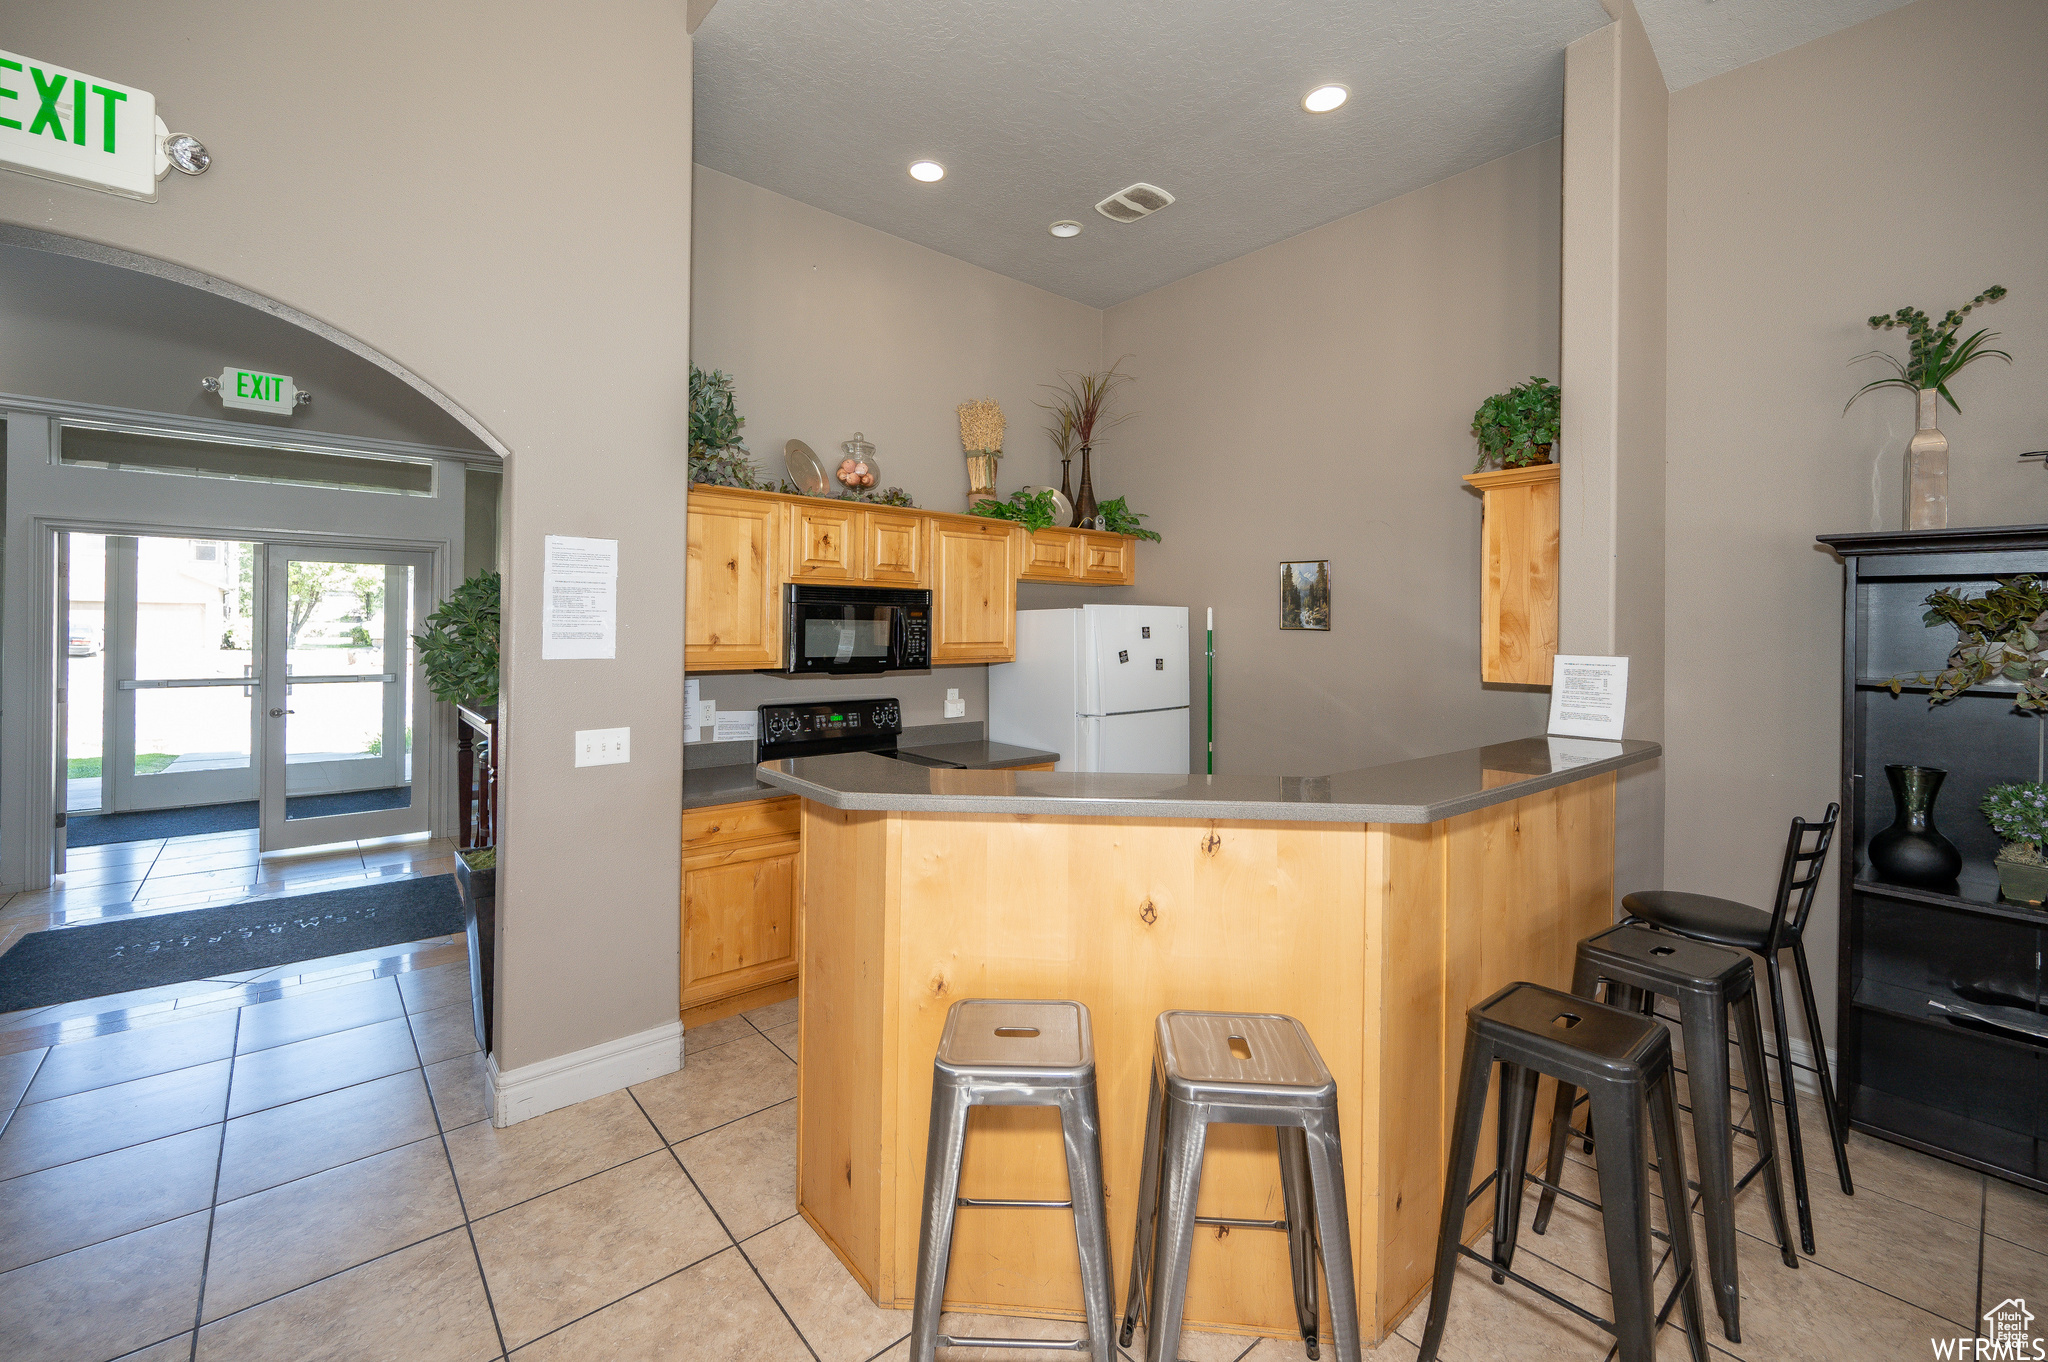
{"type": "Point", "coordinates": [1136, 201]}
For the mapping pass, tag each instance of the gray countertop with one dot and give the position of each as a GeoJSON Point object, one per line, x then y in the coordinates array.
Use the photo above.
{"type": "Point", "coordinates": [1423, 790]}
{"type": "Point", "coordinates": [709, 786]}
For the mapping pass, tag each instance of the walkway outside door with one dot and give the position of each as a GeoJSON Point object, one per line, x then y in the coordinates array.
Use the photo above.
{"type": "Point", "coordinates": [231, 672]}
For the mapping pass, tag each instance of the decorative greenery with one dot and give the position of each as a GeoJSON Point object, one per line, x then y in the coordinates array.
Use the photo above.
{"type": "Point", "coordinates": [481, 858]}
{"type": "Point", "coordinates": [888, 496]}
{"type": "Point", "coordinates": [1517, 427]}
{"type": "Point", "coordinates": [1934, 355]}
{"type": "Point", "coordinates": [1060, 430]}
{"type": "Point", "coordinates": [459, 646]}
{"type": "Point", "coordinates": [1118, 518]}
{"type": "Point", "coordinates": [2018, 813]}
{"type": "Point", "coordinates": [1033, 511]}
{"type": "Point", "coordinates": [1998, 636]}
{"type": "Point", "coordinates": [1080, 405]}
{"type": "Point", "coordinates": [982, 426]}
{"type": "Point", "coordinates": [718, 455]}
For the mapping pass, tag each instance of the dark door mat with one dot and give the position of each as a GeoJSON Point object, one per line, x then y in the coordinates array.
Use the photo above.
{"type": "Point", "coordinates": [64, 964]}
{"type": "Point", "coordinates": [98, 829]}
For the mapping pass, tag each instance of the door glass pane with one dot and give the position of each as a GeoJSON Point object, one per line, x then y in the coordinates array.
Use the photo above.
{"type": "Point", "coordinates": [194, 621]}
{"type": "Point", "coordinates": [85, 658]}
{"type": "Point", "coordinates": [184, 730]}
{"type": "Point", "coordinates": [347, 732]}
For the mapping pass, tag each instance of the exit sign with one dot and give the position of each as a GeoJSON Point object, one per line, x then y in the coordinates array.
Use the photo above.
{"type": "Point", "coordinates": [247, 390]}
{"type": "Point", "coordinates": [85, 130]}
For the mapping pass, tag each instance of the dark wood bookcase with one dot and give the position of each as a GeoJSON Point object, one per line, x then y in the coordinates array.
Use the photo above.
{"type": "Point", "coordinates": [1970, 1088]}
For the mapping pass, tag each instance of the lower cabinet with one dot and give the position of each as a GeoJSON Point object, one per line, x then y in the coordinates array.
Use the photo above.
{"type": "Point", "coordinates": [740, 884]}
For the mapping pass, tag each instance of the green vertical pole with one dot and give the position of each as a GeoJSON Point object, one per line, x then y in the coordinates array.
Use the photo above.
{"type": "Point", "coordinates": [1212, 690]}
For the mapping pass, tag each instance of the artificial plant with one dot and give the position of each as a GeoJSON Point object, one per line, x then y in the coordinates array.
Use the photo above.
{"type": "Point", "coordinates": [1998, 636]}
{"type": "Point", "coordinates": [1517, 427]}
{"type": "Point", "coordinates": [459, 645]}
{"type": "Point", "coordinates": [2018, 813]}
{"type": "Point", "coordinates": [1934, 355]}
{"type": "Point", "coordinates": [1117, 517]}
{"type": "Point", "coordinates": [718, 455]}
{"type": "Point", "coordinates": [1032, 510]}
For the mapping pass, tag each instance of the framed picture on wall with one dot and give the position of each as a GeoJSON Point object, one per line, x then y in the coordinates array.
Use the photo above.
{"type": "Point", "coordinates": [1305, 594]}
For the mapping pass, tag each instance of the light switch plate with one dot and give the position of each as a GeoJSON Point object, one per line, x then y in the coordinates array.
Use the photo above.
{"type": "Point", "coordinates": [603, 746]}
{"type": "Point", "coordinates": [956, 708]}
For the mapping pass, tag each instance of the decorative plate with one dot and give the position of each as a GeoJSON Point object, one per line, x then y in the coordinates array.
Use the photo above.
{"type": "Point", "coordinates": [804, 469]}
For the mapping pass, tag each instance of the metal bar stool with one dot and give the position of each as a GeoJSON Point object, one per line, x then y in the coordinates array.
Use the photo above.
{"type": "Point", "coordinates": [1623, 1060]}
{"type": "Point", "coordinates": [1723, 922]}
{"type": "Point", "coordinates": [996, 1052]}
{"type": "Point", "coordinates": [1237, 1068]}
{"type": "Point", "coordinates": [1638, 966]}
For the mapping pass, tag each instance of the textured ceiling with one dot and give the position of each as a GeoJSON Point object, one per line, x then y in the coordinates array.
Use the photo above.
{"type": "Point", "coordinates": [1039, 108]}
{"type": "Point", "coordinates": [1696, 39]}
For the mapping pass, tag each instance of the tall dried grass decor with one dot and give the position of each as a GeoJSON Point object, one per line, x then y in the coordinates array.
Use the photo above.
{"type": "Point", "coordinates": [1080, 404]}
{"type": "Point", "coordinates": [981, 436]}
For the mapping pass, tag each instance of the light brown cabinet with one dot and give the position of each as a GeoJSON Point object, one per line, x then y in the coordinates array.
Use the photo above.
{"type": "Point", "coordinates": [739, 910]}
{"type": "Point", "coordinates": [1518, 574]}
{"type": "Point", "coordinates": [895, 547]}
{"type": "Point", "coordinates": [824, 541]}
{"type": "Point", "coordinates": [975, 566]}
{"type": "Point", "coordinates": [731, 618]}
{"type": "Point", "coordinates": [1086, 556]}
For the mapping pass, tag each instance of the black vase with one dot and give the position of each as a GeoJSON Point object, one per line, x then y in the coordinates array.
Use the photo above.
{"type": "Point", "coordinates": [1911, 851]}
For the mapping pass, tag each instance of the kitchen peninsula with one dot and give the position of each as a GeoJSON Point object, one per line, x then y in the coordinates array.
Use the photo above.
{"type": "Point", "coordinates": [1374, 905]}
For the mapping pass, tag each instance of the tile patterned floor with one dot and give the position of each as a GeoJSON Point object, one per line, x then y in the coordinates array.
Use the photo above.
{"type": "Point", "coordinates": [299, 1167]}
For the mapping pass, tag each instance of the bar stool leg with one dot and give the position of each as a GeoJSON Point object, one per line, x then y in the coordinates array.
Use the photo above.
{"type": "Point", "coordinates": [945, 1147]}
{"type": "Point", "coordinates": [1298, 1192]}
{"type": "Point", "coordinates": [1625, 1215]}
{"type": "Point", "coordinates": [1677, 1213]}
{"type": "Point", "coordinates": [1820, 1064]}
{"type": "Point", "coordinates": [1511, 1132]}
{"type": "Point", "coordinates": [1791, 1087]}
{"type": "Point", "coordinates": [1081, 1126]}
{"type": "Point", "coordinates": [1553, 1167]}
{"type": "Point", "coordinates": [1757, 1078]}
{"type": "Point", "coordinates": [1180, 1187]}
{"type": "Point", "coordinates": [1148, 1210]}
{"type": "Point", "coordinates": [1706, 1063]}
{"type": "Point", "coordinates": [1457, 1187]}
{"type": "Point", "coordinates": [1333, 1220]}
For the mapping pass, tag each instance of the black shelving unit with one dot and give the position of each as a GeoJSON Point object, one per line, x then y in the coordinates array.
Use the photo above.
{"type": "Point", "coordinates": [1942, 998]}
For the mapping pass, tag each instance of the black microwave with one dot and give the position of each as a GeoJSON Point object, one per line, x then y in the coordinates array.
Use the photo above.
{"type": "Point", "coordinates": [854, 630]}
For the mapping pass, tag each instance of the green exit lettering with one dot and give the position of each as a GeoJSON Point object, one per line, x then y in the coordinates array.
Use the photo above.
{"type": "Point", "coordinates": [259, 387]}
{"type": "Point", "coordinates": [49, 89]}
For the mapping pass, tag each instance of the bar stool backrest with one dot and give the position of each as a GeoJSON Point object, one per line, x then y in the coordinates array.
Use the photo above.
{"type": "Point", "coordinates": [1799, 878]}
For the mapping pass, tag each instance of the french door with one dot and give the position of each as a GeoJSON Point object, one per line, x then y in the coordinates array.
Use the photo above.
{"type": "Point", "coordinates": [209, 672]}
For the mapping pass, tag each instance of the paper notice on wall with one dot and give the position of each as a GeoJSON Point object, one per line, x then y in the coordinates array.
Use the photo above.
{"type": "Point", "coordinates": [579, 609]}
{"type": "Point", "coordinates": [1588, 696]}
{"type": "Point", "coordinates": [692, 730]}
{"type": "Point", "coordinates": [735, 725]}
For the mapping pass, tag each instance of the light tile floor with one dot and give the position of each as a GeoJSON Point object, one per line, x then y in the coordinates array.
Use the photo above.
{"type": "Point", "coordinates": [300, 1168]}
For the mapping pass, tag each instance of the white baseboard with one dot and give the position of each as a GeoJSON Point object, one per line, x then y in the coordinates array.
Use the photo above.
{"type": "Point", "coordinates": [515, 1094]}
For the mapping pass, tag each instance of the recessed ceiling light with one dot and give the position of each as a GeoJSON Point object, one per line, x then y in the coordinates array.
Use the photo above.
{"type": "Point", "coordinates": [1324, 98]}
{"type": "Point", "coordinates": [927, 171]}
{"type": "Point", "coordinates": [1065, 229]}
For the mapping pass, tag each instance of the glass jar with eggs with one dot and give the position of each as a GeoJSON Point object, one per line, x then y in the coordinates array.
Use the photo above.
{"type": "Point", "coordinates": [857, 472]}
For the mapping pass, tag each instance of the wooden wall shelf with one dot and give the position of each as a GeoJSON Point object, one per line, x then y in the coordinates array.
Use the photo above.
{"type": "Point", "coordinates": [1518, 580]}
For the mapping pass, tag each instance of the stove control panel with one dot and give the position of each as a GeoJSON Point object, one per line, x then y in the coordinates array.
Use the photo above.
{"type": "Point", "coordinates": [843, 723]}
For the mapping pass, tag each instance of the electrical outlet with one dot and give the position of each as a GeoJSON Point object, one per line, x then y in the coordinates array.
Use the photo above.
{"type": "Point", "coordinates": [603, 746]}
{"type": "Point", "coordinates": [956, 708]}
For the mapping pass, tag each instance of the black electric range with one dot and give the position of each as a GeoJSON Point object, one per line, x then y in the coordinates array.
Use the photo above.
{"type": "Point", "coordinates": [815, 730]}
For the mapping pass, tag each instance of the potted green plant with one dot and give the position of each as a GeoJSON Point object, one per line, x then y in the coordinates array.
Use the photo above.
{"type": "Point", "coordinates": [1517, 428]}
{"type": "Point", "coordinates": [1116, 516]}
{"type": "Point", "coordinates": [1034, 511]}
{"type": "Point", "coordinates": [1935, 354]}
{"type": "Point", "coordinates": [1998, 638]}
{"type": "Point", "coordinates": [2018, 813]}
{"type": "Point", "coordinates": [718, 455]}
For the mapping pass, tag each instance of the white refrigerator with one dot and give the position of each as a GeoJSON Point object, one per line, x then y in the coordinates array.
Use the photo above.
{"type": "Point", "coordinates": [1105, 686]}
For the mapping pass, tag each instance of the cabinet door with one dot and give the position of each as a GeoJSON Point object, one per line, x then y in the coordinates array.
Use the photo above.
{"type": "Point", "coordinates": [824, 543]}
{"type": "Point", "coordinates": [731, 620]}
{"type": "Point", "coordinates": [894, 541]}
{"type": "Point", "coordinates": [739, 919]}
{"type": "Point", "coordinates": [1109, 559]}
{"type": "Point", "coordinates": [974, 590]}
{"type": "Point", "coordinates": [1052, 556]}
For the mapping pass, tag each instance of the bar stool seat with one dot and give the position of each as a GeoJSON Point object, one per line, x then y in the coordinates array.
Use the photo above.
{"type": "Point", "coordinates": [1719, 922]}
{"type": "Point", "coordinates": [1001, 1052]}
{"type": "Point", "coordinates": [1623, 1060]}
{"type": "Point", "coordinates": [1639, 965]}
{"type": "Point", "coordinates": [1240, 1069]}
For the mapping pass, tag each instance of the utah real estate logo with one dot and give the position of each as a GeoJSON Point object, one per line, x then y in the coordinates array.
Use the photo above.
{"type": "Point", "coordinates": [2008, 1334]}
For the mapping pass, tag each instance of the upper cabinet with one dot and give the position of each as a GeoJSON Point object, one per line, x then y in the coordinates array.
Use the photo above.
{"type": "Point", "coordinates": [744, 545]}
{"type": "Point", "coordinates": [895, 547]}
{"type": "Point", "coordinates": [975, 564]}
{"type": "Point", "coordinates": [1517, 574]}
{"type": "Point", "coordinates": [732, 620]}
